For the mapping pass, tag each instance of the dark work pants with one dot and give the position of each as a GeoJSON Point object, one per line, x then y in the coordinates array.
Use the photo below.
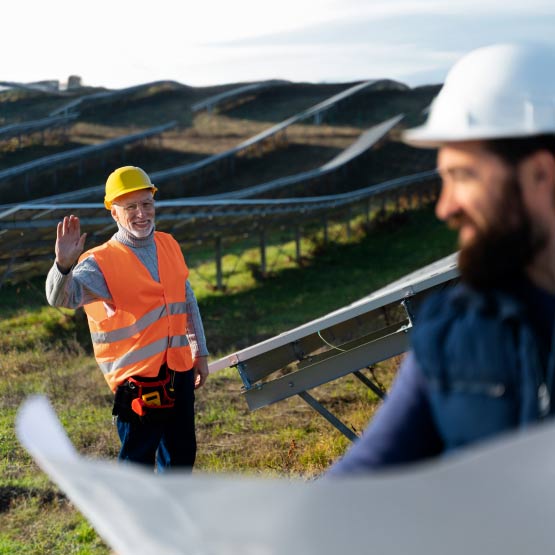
{"type": "Point", "coordinates": [171, 444]}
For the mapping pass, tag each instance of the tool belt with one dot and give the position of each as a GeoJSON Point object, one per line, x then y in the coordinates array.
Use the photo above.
{"type": "Point", "coordinates": [146, 400]}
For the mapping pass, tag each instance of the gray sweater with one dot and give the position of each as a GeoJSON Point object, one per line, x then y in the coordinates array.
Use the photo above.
{"type": "Point", "coordinates": [86, 284]}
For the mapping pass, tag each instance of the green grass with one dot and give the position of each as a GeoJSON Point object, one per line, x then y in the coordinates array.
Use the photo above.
{"type": "Point", "coordinates": [340, 274]}
{"type": "Point", "coordinates": [51, 526]}
{"type": "Point", "coordinates": [45, 350]}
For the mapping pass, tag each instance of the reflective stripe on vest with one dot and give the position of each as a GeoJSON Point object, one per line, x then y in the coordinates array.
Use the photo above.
{"type": "Point", "coordinates": [138, 355]}
{"type": "Point", "coordinates": [139, 326]}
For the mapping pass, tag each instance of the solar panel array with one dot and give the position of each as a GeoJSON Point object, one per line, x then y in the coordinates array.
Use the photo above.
{"type": "Point", "coordinates": [174, 177]}
{"type": "Point", "coordinates": [90, 99]}
{"type": "Point", "coordinates": [27, 231]}
{"type": "Point", "coordinates": [364, 143]}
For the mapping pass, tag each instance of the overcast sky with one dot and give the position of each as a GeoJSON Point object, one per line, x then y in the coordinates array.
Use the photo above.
{"type": "Point", "coordinates": [118, 43]}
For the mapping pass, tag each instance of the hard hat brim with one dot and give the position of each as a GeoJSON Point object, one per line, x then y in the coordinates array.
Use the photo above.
{"type": "Point", "coordinates": [426, 137]}
{"type": "Point", "coordinates": [108, 204]}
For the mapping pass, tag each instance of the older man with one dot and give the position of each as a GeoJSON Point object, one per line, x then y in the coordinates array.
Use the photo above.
{"type": "Point", "coordinates": [144, 321]}
{"type": "Point", "coordinates": [482, 360]}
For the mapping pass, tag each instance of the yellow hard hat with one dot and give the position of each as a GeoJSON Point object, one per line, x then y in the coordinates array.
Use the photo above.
{"type": "Point", "coordinates": [125, 180]}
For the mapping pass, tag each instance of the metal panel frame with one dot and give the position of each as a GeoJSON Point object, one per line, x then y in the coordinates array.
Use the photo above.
{"type": "Point", "coordinates": [327, 370]}
{"type": "Point", "coordinates": [315, 365]}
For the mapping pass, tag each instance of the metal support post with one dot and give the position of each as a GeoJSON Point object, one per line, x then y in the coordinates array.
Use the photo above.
{"type": "Point", "coordinates": [243, 374]}
{"type": "Point", "coordinates": [7, 271]}
{"type": "Point", "coordinates": [298, 244]}
{"type": "Point", "coordinates": [370, 384]}
{"type": "Point", "coordinates": [263, 251]}
{"type": "Point", "coordinates": [219, 273]}
{"type": "Point", "coordinates": [333, 420]}
{"type": "Point", "coordinates": [407, 305]}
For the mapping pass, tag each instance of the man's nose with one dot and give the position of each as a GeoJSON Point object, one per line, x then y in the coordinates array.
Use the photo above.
{"type": "Point", "coordinates": [140, 209]}
{"type": "Point", "coordinates": [446, 205]}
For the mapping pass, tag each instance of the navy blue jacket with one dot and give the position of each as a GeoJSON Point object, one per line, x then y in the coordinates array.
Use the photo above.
{"type": "Point", "coordinates": [481, 364]}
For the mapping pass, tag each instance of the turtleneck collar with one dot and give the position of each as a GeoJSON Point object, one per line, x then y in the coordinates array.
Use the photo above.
{"type": "Point", "coordinates": [128, 239]}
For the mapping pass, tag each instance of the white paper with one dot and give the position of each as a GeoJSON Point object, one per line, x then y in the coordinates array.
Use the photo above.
{"type": "Point", "coordinates": [497, 498]}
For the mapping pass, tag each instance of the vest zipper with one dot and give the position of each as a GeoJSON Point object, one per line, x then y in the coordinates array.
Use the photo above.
{"type": "Point", "coordinates": [544, 400]}
{"type": "Point", "coordinates": [546, 387]}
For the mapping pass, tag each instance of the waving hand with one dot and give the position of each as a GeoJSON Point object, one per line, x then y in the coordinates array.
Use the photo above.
{"type": "Point", "coordinates": [69, 242]}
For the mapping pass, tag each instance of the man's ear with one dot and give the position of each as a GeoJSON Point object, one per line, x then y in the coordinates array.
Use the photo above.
{"type": "Point", "coordinates": [537, 176]}
{"type": "Point", "coordinates": [114, 213]}
{"type": "Point", "coordinates": [543, 168]}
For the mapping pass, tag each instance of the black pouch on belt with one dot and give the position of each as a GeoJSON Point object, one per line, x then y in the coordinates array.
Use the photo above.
{"type": "Point", "coordinates": [122, 403]}
{"type": "Point", "coordinates": [146, 399]}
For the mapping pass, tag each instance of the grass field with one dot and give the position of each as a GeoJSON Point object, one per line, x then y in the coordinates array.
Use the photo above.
{"type": "Point", "coordinates": [46, 350]}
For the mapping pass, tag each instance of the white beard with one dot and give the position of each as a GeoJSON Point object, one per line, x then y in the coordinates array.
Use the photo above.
{"type": "Point", "coordinates": [139, 234]}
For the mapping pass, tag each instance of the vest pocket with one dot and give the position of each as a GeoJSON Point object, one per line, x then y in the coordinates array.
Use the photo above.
{"type": "Point", "coordinates": [489, 389]}
{"type": "Point", "coordinates": [466, 412]}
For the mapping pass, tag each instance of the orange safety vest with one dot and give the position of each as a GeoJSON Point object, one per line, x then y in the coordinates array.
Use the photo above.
{"type": "Point", "coordinates": [150, 319]}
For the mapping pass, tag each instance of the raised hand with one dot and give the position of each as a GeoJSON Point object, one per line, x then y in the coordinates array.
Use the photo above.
{"type": "Point", "coordinates": [69, 242]}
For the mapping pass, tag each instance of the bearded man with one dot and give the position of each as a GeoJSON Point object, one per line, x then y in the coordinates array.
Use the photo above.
{"type": "Point", "coordinates": [482, 361]}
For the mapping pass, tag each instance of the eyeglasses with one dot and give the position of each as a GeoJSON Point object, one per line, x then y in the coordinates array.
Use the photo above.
{"type": "Point", "coordinates": [146, 206]}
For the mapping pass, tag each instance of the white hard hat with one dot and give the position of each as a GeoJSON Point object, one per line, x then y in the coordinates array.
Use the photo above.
{"type": "Point", "coordinates": [494, 92]}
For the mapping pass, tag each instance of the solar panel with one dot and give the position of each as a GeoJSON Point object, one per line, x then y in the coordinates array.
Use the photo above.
{"type": "Point", "coordinates": [64, 158]}
{"type": "Point", "coordinates": [373, 329]}
{"type": "Point", "coordinates": [28, 127]}
{"type": "Point", "coordinates": [211, 102]}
